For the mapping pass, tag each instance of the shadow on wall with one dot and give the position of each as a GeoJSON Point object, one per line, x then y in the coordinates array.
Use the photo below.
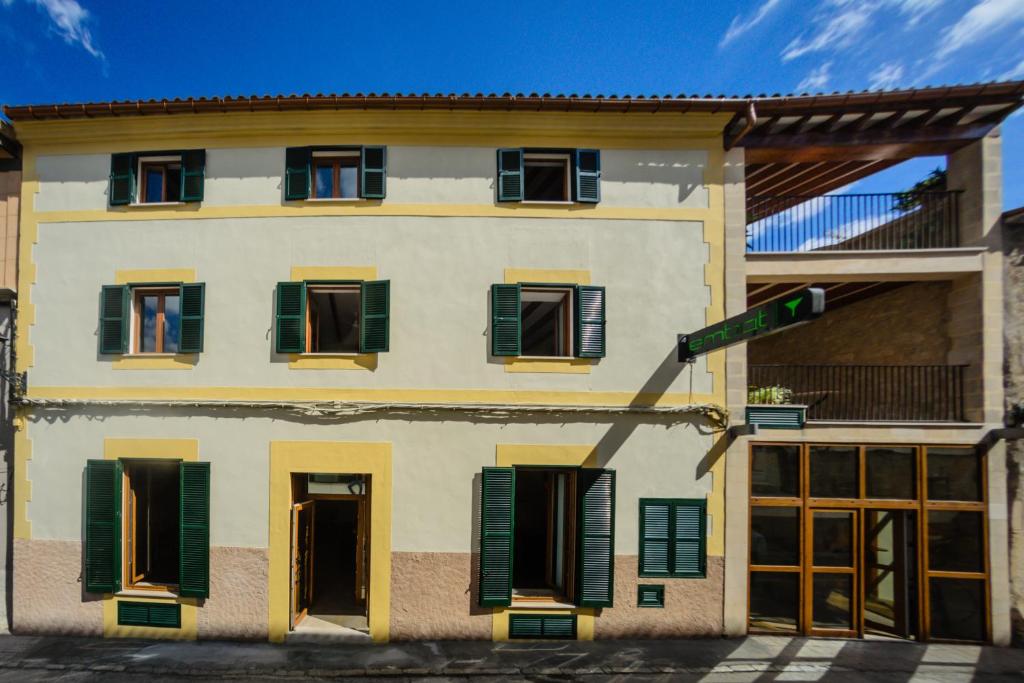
{"type": "Point", "coordinates": [474, 550]}
{"type": "Point", "coordinates": [688, 178]}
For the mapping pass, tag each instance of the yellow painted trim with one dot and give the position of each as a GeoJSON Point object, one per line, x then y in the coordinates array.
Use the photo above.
{"type": "Point", "coordinates": [28, 236]}
{"type": "Point", "coordinates": [584, 621]}
{"type": "Point", "coordinates": [189, 620]}
{"type": "Point", "coordinates": [163, 449]}
{"type": "Point", "coordinates": [555, 455]}
{"type": "Point", "coordinates": [563, 366]}
{"type": "Point", "coordinates": [124, 277]}
{"type": "Point", "coordinates": [619, 399]}
{"type": "Point", "coordinates": [555, 275]}
{"type": "Point", "coordinates": [22, 484]}
{"type": "Point", "coordinates": [300, 273]}
{"type": "Point", "coordinates": [179, 361]}
{"type": "Point", "coordinates": [374, 459]}
{"type": "Point", "coordinates": [353, 361]}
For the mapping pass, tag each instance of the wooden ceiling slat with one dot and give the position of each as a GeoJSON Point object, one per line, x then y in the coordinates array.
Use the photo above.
{"type": "Point", "coordinates": [762, 185]}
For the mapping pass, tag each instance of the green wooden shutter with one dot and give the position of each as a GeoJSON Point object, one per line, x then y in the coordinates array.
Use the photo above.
{"type": "Point", "coordinates": [648, 595]}
{"type": "Point", "coordinates": [655, 539]}
{"type": "Point", "coordinates": [596, 556]}
{"type": "Point", "coordinates": [375, 172]}
{"type": "Point", "coordinates": [193, 174]}
{"type": "Point", "coordinates": [590, 322]}
{"type": "Point", "coordinates": [497, 527]}
{"type": "Point", "coordinates": [297, 172]}
{"type": "Point", "coordinates": [690, 553]}
{"type": "Point", "coordinates": [374, 316]}
{"type": "Point", "coordinates": [587, 180]}
{"type": "Point", "coordinates": [510, 175]}
{"type": "Point", "coordinates": [115, 307]}
{"type": "Point", "coordinates": [103, 526]}
{"type": "Point", "coordinates": [194, 534]}
{"type": "Point", "coordinates": [505, 320]}
{"type": "Point", "coordinates": [157, 614]}
{"type": "Point", "coordinates": [122, 179]}
{"type": "Point", "coordinates": [192, 299]}
{"type": "Point", "coordinates": [290, 334]}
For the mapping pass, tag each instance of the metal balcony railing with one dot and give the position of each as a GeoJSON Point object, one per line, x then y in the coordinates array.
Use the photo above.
{"type": "Point", "coordinates": [892, 393]}
{"type": "Point", "coordinates": [853, 222]}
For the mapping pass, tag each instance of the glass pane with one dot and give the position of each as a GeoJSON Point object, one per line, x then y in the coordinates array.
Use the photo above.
{"type": "Point", "coordinates": [775, 536]}
{"type": "Point", "coordinates": [347, 178]}
{"type": "Point", "coordinates": [957, 608]}
{"type": "Point", "coordinates": [955, 541]}
{"type": "Point", "coordinates": [171, 323]}
{"type": "Point", "coordinates": [545, 180]}
{"type": "Point", "coordinates": [833, 539]}
{"type": "Point", "coordinates": [775, 471]}
{"type": "Point", "coordinates": [954, 474]}
{"type": "Point", "coordinates": [833, 601]}
{"type": "Point", "coordinates": [324, 178]}
{"type": "Point", "coordinates": [833, 472]}
{"type": "Point", "coordinates": [154, 185]}
{"type": "Point", "coordinates": [891, 473]}
{"type": "Point", "coordinates": [334, 320]}
{"type": "Point", "coordinates": [147, 327]}
{"type": "Point", "coordinates": [774, 601]}
{"type": "Point", "coordinates": [173, 175]}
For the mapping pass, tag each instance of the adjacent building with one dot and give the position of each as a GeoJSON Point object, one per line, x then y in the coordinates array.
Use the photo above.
{"type": "Point", "coordinates": [403, 367]}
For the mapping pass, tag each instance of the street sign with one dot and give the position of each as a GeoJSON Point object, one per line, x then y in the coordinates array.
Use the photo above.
{"type": "Point", "coordinates": [774, 316]}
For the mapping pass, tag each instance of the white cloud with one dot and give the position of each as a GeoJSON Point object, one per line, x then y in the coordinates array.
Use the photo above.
{"type": "Point", "coordinates": [980, 21]}
{"type": "Point", "coordinates": [1014, 73]}
{"type": "Point", "coordinates": [70, 21]}
{"type": "Point", "coordinates": [816, 80]}
{"type": "Point", "coordinates": [886, 76]}
{"type": "Point", "coordinates": [832, 32]}
{"type": "Point", "coordinates": [916, 9]}
{"type": "Point", "coordinates": [739, 26]}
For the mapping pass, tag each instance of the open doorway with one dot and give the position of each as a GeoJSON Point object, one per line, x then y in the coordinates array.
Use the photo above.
{"type": "Point", "coordinates": [890, 573]}
{"type": "Point", "coordinates": [545, 521]}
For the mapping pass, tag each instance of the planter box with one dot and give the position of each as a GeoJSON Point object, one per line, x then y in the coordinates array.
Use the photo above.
{"type": "Point", "coordinates": [777, 416]}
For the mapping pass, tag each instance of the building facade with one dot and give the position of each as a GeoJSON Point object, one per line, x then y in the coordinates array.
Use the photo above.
{"type": "Point", "coordinates": [400, 368]}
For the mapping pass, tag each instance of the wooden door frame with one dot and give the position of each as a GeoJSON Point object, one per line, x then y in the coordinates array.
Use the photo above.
{"type": "Point", "coordinates": [296, 615]}
{"type": "Point", "coordinates": [853, 571]}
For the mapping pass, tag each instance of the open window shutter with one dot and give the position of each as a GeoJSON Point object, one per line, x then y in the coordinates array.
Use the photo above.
{"type": "Point", "coordinates": [689, 558]}
{"type": "Point", "coordinates": [114, 313]}
{"type": "Point", "coordinates": [596, 555]}
{"type": "Point", "coordinates": [122, 179]}
{"type": "Point", "coordinates": [505, 320]}
{"type": "Point", "coordinates": [193, 174]}
{"type": "Point", "coordinates": [194, 532]}
{"type": "Point", "coordinates": [103, 526]}
{"type": "Point", "coordinates": [374, 314]}
{"type": "Point", "coordinates": [654, 537]}
{"type": "Point", "coordinates": [497, 514]}
{"type": "Point", "coordinates": [590, 322]}
{"type": "Point", "coordinates": [510, 175]}
{"type": "Point", "coordinates": [190, 333]}
{"type": "Point", "coordinates": [375, 172]}
{"type": "Point", "coordinates": [290, 333]}
{"type": "Point", "coordinates": [296, 172]}
{"type": "Point", "coordinates": [588, 175]}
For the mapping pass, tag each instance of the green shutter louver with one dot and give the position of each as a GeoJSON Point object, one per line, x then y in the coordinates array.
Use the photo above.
{"type": "Point", "coordinates": [297, 172]}
{"type": "Point", "coordinates": [689, 556]}
{"type": "Point", "coordinates": [290, 332]}
{"type": "Point", "coordinates": [115, 307]}
{"type": "Point", "coordinates": [103, 526]}
{"type": "Point", "coordinates": [510, 175]}
{"type": "Point", "coordinates": [649, 595]}
{"type": "Point", "coordinates": [373, 184]}
{"type": "Point", "coordinates": [590, 322]}
{"type": "Point", "coordinates": [587, 180]}
{"type": "Point", "coordinates": [497, 515]}
{"type": "Point", "coordinates": [541, 626]}
{"type": "Point", "coordinates": [655, 542]}
{"type": "Point", "coordinates": [596, 558]}
{"type": "Point", "coordinates": [193, 174]}
{"type": "Point", "coordinates": [158, 614]}
{"type": "Point", "coordinates": [122, 179]}
{"type": "Point", "coordinates": [673, 537]}
{"type": "Point", "coordinates": [192, 302]}
{"type": "Point", "coordinates": [505, 320]}
{"type": "Point", "coordinates": [374, 316]}
{"type": "Point", "coordinates": [194, 533]}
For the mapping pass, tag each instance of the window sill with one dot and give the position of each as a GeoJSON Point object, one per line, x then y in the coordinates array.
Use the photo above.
{"type": "Point", "coordinates": [143, 593]}
{"type": "Point", "coordinates": [156, 361]}
{"type": "Point", "coordinates": [524, 602]}
{"type": "Point", "coordinates": [338, 200]}
{"type": "Point", "coordinates": [332, 361]}
{"type": "Point", "coordinates": [142, 205]}
{"type": "Point", "coordinates": [565, 366]}
{"type": "Point", "coordinates": [540, 202]}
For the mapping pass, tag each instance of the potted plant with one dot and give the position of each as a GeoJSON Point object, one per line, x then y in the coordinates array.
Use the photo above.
{"type": "Point", "coordinates": [772, 407]}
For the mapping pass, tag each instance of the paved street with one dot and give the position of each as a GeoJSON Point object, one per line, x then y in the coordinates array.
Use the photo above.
{"type": "Point", "coordinates": [760, 659]}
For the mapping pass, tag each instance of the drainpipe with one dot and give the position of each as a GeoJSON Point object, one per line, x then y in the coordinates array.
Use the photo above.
{"type": "Point", "coordinates": [749, 126]}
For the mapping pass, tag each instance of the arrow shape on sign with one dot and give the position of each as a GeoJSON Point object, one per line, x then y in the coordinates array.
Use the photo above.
{"type": "Point", "coordinates": [791, 305]}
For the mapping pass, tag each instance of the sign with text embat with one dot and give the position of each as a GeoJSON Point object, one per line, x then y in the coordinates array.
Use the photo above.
{"type": "Point", "coordinates": [774, 316]}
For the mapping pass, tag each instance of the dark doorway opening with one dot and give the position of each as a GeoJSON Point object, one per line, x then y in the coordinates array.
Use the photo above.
{"type": "Point", "coordinates": [335, 537]}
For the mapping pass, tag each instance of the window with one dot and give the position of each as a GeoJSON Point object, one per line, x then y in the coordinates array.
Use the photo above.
{"type": "Point", "coordinates": [152, 318]}
{"type": "Point", "coordinates": [335, 173]}
{"type": "Point", "coordinates": [156, 317]}
{"type": "Point", "coordinates": [157, 177]}
{"type": "Point", "coordinates": [160, 179]}
{"type": "Point", "coordinates": [553, 321]}
{"type": "Point", "coordinates": [333, 317]}
{"type": "Point", "coordinates": [673, 537]}
{"type": "Point", "coordinates": [545, 502]}
{"type": "Point", "coordinates": [545, 177]}
{"type": "Point", "coordinates": [151, 524]}
{"type": "Point", "coordinates": [549, 175]}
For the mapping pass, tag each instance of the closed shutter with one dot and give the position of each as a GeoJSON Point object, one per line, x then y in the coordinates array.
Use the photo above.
{"type": "Point", "coordinates": [510, 175]}
{"type": "Point", "coordinates": [115, 305]}
{"type": "Point", "coordinates": [296, 172]}
{"type": "Point", "coordinates": [193, 302]}
{"type": "Point", "coordinates": [655, 540]}
{"type": "Point", "coordinates": [588, 176]}
{"type": "Point", "coordinates": [505, 320]}
{"type": "Point", "coordinates": [590, 322]}
{"type": "Point", "coordinates": [498, 488]}
{"type": "Point", "coordinates": [596, 559]}
{"type": "Point", "coordinates": [541, 626]}
{"type": "Point", "coordinates": [122, 179]}
{"type": "Point", "coordinates": [160, 615]}
{"type": "Point", "coordinates": [650, 596]}
{"type": "Point", "coordinates": [290, 333]}
{"type": "Point", "coordinates": [193, 174]}
{"type": "Point", "coordinates": [194, 534]}
{"type": "Point", "coordinates": [375, 172]}
{"type": "Point", "coordinates": [374, 316]}
{"type": "Point", "coordinates": [690, 553]}
{"type": "Point", "coordinates": [103, 526]}
{"type": "Point", "coordinates": [673, 537]}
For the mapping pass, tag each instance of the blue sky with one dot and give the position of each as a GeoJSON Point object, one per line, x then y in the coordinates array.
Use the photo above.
{"type": "Point", "coordinates": [92, 50]}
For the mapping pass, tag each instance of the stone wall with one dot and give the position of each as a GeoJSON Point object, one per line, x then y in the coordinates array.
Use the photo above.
{"type": "Point", "coordinates": [1013, 245]}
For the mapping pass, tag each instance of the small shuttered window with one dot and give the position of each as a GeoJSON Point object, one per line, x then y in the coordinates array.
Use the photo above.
{"type": "Point", "coordinates": [673, 537]}
{"type": "Point", "coordinates": [588, 323]}
{"type": "Point", "coordinates": [298, 170]}
{"type": "Point", "coordinates": [189, 176]}
{"type": "Point", "coordinates": [115, 322]}
{"type": "Point", "coordinates": [516, 181]}
{"type": "Point", "coordinates": [293, 307]}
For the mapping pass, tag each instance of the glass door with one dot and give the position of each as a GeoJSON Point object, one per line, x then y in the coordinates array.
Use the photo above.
{"type": "Point", "coordinates": [831, 596]}
{"type": "Point", "coordinates": [890, 573]}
